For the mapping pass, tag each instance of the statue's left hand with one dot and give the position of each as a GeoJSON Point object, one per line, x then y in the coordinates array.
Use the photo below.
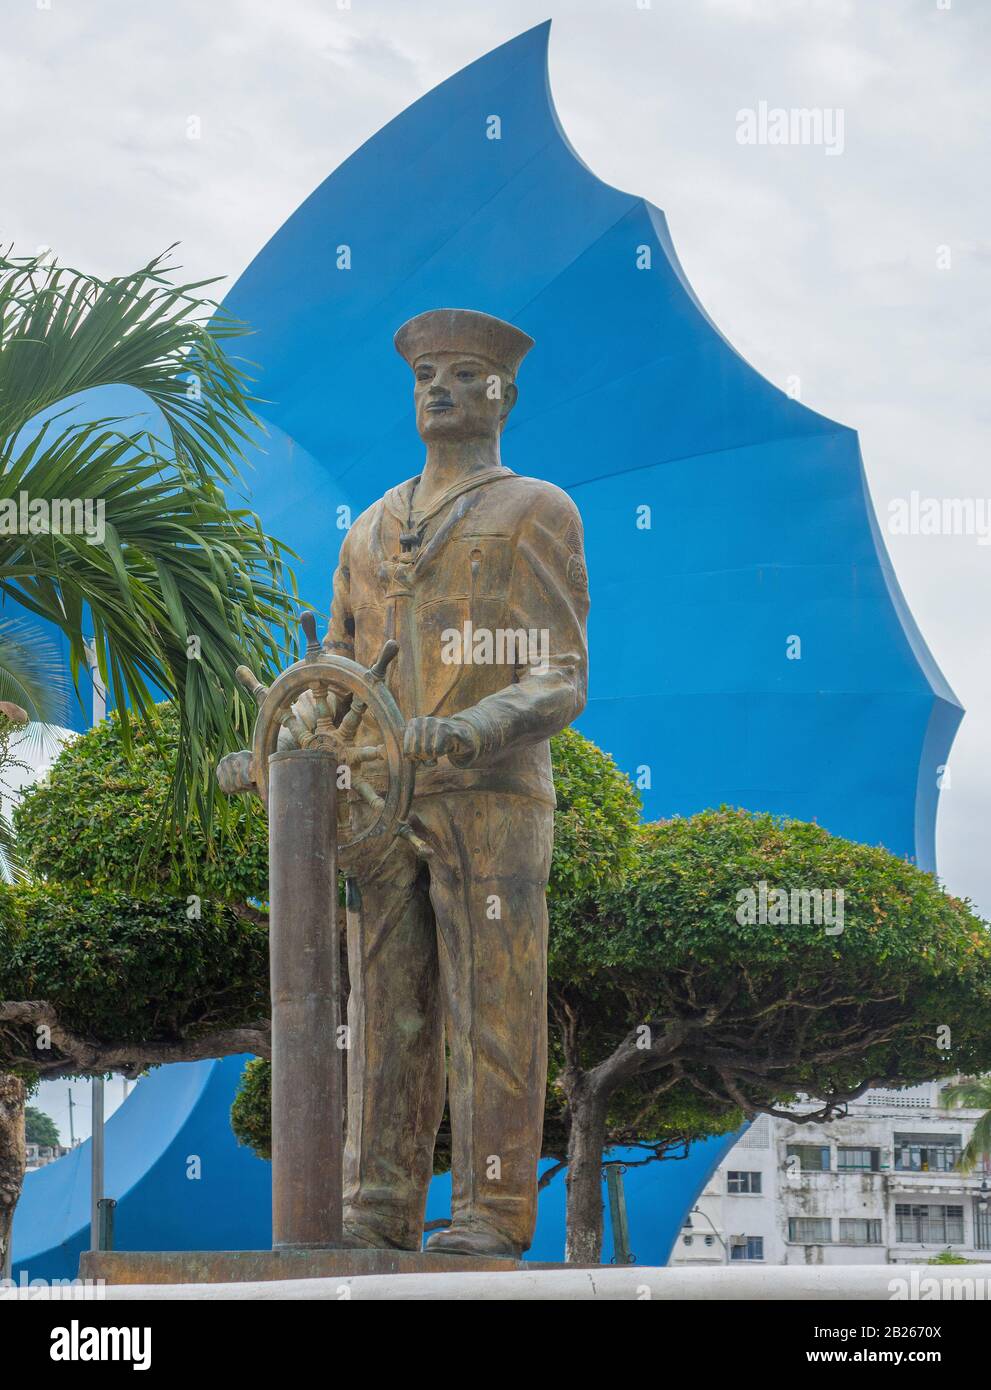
{"type": "Point", "coordinates": [428, 739]}
{"type": "Point", "coordinates": [234, 774]}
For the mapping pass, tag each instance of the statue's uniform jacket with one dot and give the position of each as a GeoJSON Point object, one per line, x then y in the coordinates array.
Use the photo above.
{"type": "Point", "coordinates": [458, 950]}
{"type": "Point", "coordinates": [503, 553]}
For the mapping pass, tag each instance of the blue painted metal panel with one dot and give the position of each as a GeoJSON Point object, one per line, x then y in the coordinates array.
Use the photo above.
{"type": "Point", "coordinates": [761, 526]}
{"type": "Point", "coordinates": [176, 1115]}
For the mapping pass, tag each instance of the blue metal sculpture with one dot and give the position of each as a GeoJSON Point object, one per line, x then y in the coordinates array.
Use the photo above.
{"type": "Point", "coordinates": [747, 513]}
{"type": "Point", "coordinates": [180, 1178]}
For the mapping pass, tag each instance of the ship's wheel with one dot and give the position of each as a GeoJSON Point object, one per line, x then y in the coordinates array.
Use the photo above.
{"type": "Point", "coordinates": [351, 714]}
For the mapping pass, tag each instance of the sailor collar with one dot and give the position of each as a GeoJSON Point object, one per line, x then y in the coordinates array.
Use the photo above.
{"type": "Point", "coordinates": [398, 499]}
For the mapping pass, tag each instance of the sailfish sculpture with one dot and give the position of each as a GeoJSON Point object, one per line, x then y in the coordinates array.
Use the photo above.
{"type": "Point", "coordinates": [742, 514]}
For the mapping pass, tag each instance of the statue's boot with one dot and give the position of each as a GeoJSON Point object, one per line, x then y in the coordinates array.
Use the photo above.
{"type": "Point", "coordinates": [473, 1239]}
{"type": "Point", "coordinates": [358, 1236]}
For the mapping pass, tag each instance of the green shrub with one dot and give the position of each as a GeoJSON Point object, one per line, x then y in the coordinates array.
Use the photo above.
{"type": "Point", "coordinates": [101, 819]}
{"type": "Point", "coordinates": [121, 969]}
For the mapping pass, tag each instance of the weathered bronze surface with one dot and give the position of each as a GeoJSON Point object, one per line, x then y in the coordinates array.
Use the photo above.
{"type": "Point", "coordinates": [466, 587]}
{"type": "Point", "coordinates": [244, 1266]}
{"type": "Point", "coordinates": [454, 950]}
{"type": "Point", "coordinates": [230, 1266]}
{"type": "Point", "coordinates": [307, 1097]}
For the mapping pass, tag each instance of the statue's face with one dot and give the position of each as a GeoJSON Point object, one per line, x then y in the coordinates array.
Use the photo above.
{"type": "Point", "coordinates": [457, 397]}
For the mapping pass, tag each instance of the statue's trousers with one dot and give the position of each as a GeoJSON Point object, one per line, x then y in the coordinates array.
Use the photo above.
{"type": "Point", "coordinates": [454, 952]}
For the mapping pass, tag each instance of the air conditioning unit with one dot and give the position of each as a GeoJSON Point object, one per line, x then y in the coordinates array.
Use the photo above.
{"type": "Point", "coordinates": [737, 1242]}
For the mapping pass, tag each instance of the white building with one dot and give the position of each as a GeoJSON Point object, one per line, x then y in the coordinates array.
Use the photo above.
{"type": "Point", "coordinates": [878, 1187]}
{"type": "Point", "coordinates": [38, 1155]}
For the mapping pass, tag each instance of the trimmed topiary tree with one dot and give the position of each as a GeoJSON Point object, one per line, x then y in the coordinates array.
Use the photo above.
{"type": "Point", "coordinates": [99, 818]}
{"type": "Point", "coordinates": [727, 977]}
{"type": "Point", "coordinates": [129, 948]}
{"type": "Point", "coordinates": [251, 1113]}
{"type": "Point", "coordinates": [125, 938]}
{"type": "Point", "coordinates": [95, 981]}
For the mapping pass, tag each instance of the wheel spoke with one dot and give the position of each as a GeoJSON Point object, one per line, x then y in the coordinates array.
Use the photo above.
{"type": "Point", "coordinates": [349, 725]}
{"type": "Point", "coordinates": [367, 793]}
{"type": "Point", "coordinates": [296, 728]}
{"type": "Point", "coordinates": [370, 753]}
{"type": "Point", "coordinates": [325, 717]}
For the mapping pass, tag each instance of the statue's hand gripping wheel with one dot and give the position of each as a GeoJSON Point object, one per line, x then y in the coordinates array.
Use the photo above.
{"type": "Point", "coordinates": [350, 713]}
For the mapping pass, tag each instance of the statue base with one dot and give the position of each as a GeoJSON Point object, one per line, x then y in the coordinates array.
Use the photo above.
{"type": "Point", "coordinates": [248, 1266]}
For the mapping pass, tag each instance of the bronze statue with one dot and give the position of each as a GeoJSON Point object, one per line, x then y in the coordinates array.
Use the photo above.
{"type": "Point", "coordinates": [470, 581]}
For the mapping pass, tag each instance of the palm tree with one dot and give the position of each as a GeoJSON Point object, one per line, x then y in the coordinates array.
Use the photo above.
{"type": "Point", "coordinates": [972, 1094]}
{"type": "Point", "coordinates": [180, 587]}
{"type": "Point", "coordinates": [33, 704]}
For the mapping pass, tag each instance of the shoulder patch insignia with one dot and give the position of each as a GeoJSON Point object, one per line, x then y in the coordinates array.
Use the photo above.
{"type": "Point", "coordinates": [577, 573]}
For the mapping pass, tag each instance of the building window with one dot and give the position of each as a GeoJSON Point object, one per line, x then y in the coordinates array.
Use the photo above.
{"type": "Point", "coordinates": [750, 1248]}
{"type": "Point", "coordinates": [928, 1225]}
{"type": "Point", "coordinates": [686, 1240]}
{"type": "Point", "coordinates": [810, 1230]}
{"type": "Point", "coordinates": [742, 1182]}
{"type": "Point", "coordinates": [850, 1160]}
{"type": "Point", "coordinates": [927, 1153]}
{"type": "Point", "coordinates": [855, 1231]}
{"type": "Point", "coordinates": [813, 1158]}
{"type": "Point", "coordinates": [982, 1226]}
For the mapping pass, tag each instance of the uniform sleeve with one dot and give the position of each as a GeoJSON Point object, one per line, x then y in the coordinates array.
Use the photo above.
{"type": "Point", "coordinates": [548, 594]}
{"type": "Point", "coordinates": [340, 629]}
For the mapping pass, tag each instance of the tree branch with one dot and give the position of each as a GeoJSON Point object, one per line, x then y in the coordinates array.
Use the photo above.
{"type": "Point", "coordinates": [73, 1055]}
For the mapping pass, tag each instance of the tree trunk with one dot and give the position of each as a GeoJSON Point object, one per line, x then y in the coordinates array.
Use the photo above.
{"type": "Point", "coordinates": [12, 1158]}
{"type": "Point", "coordinates": [587, 1110]}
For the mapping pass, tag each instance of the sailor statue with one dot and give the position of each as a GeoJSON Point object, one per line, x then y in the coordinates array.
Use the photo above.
{"type": "Point", "coordinates": [471, 582]}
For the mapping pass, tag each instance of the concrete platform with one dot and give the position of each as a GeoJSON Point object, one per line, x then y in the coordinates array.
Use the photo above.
{"type": "Point", "coordinates": [909, 1284]}
{"type": "Point", "coordinates": [120, 1267]}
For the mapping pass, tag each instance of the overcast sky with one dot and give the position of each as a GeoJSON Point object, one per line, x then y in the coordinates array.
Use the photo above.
{"type": "Point", "coordinates": [817, 266]}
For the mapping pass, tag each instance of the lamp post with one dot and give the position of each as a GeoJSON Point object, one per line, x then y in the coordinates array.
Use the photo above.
{"type": "Point", "coordinates": [697, 1211]}
{"type": "Point", "coordinates": [622, 1254]}
{"type": "Point", "coordinates": [982, 1221]}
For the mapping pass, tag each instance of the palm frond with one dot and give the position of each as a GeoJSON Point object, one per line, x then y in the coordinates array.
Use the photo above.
{"type": "Point", "coordinates": [182, 590]}
{"type": "Point", "coordinates": [40, 743]}
{"type": "Point", "coordinates": [974, 1093]}
{"type": "Point", "coordinates": [11, 868]}
{"type": "Point", "coordinates": [177, 588]}
{"type": "Point", "coordinates": [32, 672]}
{"type": "Point", "coordinates": [63, 332]}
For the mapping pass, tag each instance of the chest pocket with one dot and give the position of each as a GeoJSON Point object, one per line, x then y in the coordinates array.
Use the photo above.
{"type": "Point", "coordinates": [485, 563]}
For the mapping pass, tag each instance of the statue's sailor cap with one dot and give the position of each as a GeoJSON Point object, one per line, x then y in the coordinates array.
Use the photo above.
{"type": "Point", "coordinates": [467, 331]}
